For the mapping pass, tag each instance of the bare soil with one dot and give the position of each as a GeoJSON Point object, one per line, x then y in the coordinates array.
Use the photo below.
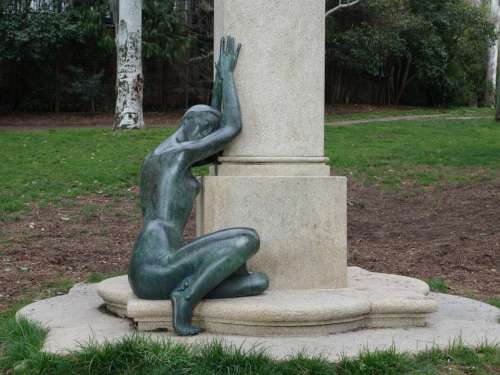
{"type": "Point", "coordinates": [33, 121]}
{"type": "Point", "coordinates": [453, 234]}
{"type": "Point", "coordinates": [350, 109]}
{"type": "Point", "coordinates": [41, 121]}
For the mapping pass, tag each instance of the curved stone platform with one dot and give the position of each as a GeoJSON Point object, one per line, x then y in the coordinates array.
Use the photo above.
{"type": "Point", "coordinates": [76, 319]}
{"type": "Point", "coordinates": [371, 301]}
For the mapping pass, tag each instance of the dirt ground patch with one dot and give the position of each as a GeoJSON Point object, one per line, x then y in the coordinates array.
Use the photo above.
{"type": "Point", "coordinates": [453, 234]}
{"type": "Point", "coordinates": [450, 233]}
{"type": "Point", "coordinates": [32, 121]}
{"type": "Point", "coordinates": [350, 109]}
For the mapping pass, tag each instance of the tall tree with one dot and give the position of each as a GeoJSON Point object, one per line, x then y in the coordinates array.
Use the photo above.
{"type": "Point", "coordinates": [127, 15]}
{"type": "Point", "coordinates": [408, 51]}
{"type": "Point", "coordinates": [491, 69]}
{"type": "Point", "coordinates": [497, 89]}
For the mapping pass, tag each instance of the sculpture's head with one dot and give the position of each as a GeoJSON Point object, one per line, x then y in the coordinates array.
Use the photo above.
{"type": "Point", "coordinates": [199, 122]}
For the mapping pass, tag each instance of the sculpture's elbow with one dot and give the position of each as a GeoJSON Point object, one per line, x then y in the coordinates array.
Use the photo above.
{"type": "Point", "coordinates": [232, 127]}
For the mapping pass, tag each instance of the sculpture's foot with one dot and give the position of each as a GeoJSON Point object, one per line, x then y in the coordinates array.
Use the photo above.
{"type": "Point", "coordinates": [183, 314]}
{"type": "Point", "coordinates": [260, 283]}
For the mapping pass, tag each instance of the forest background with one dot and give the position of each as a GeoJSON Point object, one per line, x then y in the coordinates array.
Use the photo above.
{"type": "Point", "coordinates": [60, 56]}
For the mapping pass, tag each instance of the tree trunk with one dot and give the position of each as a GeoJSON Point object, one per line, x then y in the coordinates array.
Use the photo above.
{"type": "Point", "coordinates": [491, 69]}
{"type": "Point", "coordinates": [163, 90]}
{"type": "Point", "coordinates": [188, 18]}
{"type": "Point", "coordinates": [57, 92]}
{"type": "Point", "coordinates": [404, 80]}
{"type": "Point", "coordinates": [497, 115]}
{"type": "Point", "coordinates": [130, 80]}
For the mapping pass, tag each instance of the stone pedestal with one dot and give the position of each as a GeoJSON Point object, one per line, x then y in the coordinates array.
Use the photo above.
{"type": "Point", "coordinates": [301, 222]}
{"type": "Point", "coordinates": [274, 177]}
{"type": "Point", "coordinates": [371, 300]}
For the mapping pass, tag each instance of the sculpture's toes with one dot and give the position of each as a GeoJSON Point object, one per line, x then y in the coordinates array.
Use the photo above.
{"type": "Point", "coordinates": [188, 330]}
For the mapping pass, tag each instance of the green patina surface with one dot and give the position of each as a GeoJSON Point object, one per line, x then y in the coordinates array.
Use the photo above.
{"type": "Point", "coordinates": [213, 266]}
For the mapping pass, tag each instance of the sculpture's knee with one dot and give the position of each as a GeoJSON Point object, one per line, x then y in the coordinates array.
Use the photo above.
{"type": "Point", "coordinates": [248, 240]}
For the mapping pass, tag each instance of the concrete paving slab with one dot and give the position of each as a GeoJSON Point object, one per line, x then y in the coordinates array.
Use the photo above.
{"type": "Point", "coordinates": [77, 318]}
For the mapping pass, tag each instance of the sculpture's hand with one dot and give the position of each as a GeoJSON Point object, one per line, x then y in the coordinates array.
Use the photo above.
{"type": "Point", "coordinates": [228, 58]}
{"type": "Point", "coordinates": [229, 55]}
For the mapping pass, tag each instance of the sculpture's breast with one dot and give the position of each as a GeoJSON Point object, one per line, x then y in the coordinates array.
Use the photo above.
{"type": "Point", "coordinates": [193, 184]}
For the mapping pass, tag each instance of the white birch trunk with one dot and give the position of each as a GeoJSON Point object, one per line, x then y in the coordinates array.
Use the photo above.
{"type": "Point", "coordinates": [491, 69]}
{"type": "Point", "coordinates": [130, 80]}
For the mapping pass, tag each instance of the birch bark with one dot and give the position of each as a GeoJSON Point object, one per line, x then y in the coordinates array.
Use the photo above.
{"type": "Point", "coordinates": [129, 76]}
{"type": "Point", "coordinates": [491, 69]}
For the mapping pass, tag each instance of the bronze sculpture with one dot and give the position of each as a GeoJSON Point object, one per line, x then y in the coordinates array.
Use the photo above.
{"type": "Point", "coordinates": [213, 266]}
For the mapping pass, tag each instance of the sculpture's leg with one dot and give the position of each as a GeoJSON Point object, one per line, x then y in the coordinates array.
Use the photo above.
{"type": "Point", "coordinates": [213, 258]}
{"type": "Point", "coordinates": [252, 284]}
{"type": "Point", "coordinates": [242, 271]}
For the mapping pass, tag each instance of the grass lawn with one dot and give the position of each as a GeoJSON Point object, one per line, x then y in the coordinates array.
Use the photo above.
{"type": "Point", "coordinates": [44, 166]}
{"type": "Point", "coordinates": [20, 344]}
{"type": "Point", "coordinates": [424, 111]}
{"type": "Point", "coordinates": [424, 153]}
{"type": "Point", "coordinates": [54, 166]}
{"type": "Point", "coordinates": [51, 165]}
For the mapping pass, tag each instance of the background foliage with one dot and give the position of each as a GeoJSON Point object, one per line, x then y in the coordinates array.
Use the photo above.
{"type": "Point", "coordinates": [59, 54]}
{"type": "Point", "coordinates": [409, 51]}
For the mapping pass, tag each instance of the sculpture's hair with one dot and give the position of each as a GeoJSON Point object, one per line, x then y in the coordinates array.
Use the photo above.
{"type": "Point", "coordinates": [202, 108]}
{"type": "Point", "coordinates": [199, 112]}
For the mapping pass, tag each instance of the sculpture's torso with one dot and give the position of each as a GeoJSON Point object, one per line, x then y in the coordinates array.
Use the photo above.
{"type": "Point", "coordinates": [168, 190]}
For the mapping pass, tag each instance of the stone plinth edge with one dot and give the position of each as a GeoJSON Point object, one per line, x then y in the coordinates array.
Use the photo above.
{"type": "Point", "coordinates": [271, 166]}
{"type": "Point", "coordinates": [371, 300]}
{"type": "Point", "coordinates": [274, 159]}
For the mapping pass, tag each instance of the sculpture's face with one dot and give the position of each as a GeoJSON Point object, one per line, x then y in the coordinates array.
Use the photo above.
{"type": "Point", "coordinates": [199, 124]}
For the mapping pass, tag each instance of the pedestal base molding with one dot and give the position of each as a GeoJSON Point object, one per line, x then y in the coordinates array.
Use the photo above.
{"type": "Point", "coordinates": [371, 300]}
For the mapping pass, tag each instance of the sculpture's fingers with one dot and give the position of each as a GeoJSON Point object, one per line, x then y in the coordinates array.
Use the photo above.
{"type": "Point", "coordinates": [238, 50]}
{"type": "Point", "coordinates": [230, 45]}
{"type": "Point", "coordinates": [222, 46]}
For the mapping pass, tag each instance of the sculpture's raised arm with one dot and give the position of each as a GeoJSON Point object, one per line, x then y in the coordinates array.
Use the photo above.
{"type": "Point", "coordinates": [217, 93]}
{"type": "Point", "coordinates": [230, 123]}
{"type": "Point", "coordinates": [231, 116]}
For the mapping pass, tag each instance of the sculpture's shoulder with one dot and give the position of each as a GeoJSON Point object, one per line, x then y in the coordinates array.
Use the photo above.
{"type": "Point", "coordinates": [161, 159]}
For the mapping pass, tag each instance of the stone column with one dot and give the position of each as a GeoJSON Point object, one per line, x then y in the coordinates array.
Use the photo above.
{"type": "Point", "coordinates": [274, 177]}
{"type": "Point", "coordinates": [280, 79]}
